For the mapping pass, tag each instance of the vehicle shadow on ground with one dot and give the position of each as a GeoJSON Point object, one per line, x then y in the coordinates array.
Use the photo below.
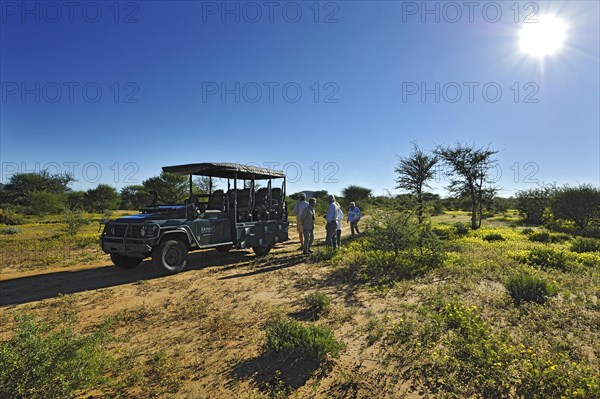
{"type": "Point", "coordinates": [271, 374]}
{"type": "Point", "coordinates": [270, 265]}
{"type": "Point", "coordinates": [48, 285]}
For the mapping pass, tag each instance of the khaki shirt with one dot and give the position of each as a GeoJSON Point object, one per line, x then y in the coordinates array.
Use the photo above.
{"type": "Point", "coordinates": [308, 218]}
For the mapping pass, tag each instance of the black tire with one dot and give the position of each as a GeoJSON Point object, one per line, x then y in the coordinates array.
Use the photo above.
{"type": "Point", "coordinates": [224, 248]}
{"type": "Point", "coordinates": [262, 250]}
{"type": "Point", "coordinates": [125, 262]}
{"type": "Point", "coordinates": [170, 256]}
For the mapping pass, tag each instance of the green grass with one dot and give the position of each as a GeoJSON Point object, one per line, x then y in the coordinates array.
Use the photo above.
{"type": "Point", "coordinates": [290, 339]}
{"type": "Point", "coordinates": [455, 329]}
{"type": "Point", "coordinates": [51, 240]}
{"type": "Point", "coordinates": [44, 360]}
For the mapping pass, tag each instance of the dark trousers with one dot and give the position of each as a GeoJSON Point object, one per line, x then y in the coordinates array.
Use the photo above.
{"type": "Point", "coordinates": [354, 226]}
{"type": "Point", "coordinates": [308, 239]}
{"type": "Point", "coordinates": [330, 239]}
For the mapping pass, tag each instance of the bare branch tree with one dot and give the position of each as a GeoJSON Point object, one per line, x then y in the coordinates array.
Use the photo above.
{"type": "Point", "coordinates": [413, 173]}
{"type": "Point", "coordinates": [470, 175]}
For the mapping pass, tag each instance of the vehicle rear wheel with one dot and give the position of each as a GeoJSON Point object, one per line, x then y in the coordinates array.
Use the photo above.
{"type": "Point", "coordinates": [125, 262]}
{"type": "Point", "coordinates": [170, 256]}
{"type": "Point", "coordinates": [224, 248]}
{"type": "Point", "coordinates": [262, 250]}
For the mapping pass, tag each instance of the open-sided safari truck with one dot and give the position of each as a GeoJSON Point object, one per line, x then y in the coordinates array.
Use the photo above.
{"type": "Point", "coordinates": [244, 216]}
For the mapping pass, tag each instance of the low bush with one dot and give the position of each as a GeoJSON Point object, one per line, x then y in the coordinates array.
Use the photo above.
{"type": "Point", "coordinates": [442, 232]}
{"type": "Point", "coordinates": [540, 236]}
{"type": "Point", "coordinates": [290, 339]}
{"type": "Point", "coordinates": [45, 360]}
{"type": "Point", "coordinates": [560, 237]}
{"type": "Point", "coordinates": [525, 287]}
{"type": "Point", "coordinates": [493, 237]}
{"type": "Point", "coordinates": [527, 231]}
{"type": "Point", "coordinates": [10, 217]}
{"type": "Point", "coordinates": [461, 229]}
{"type": "Point", "coordinates": [74, 221]}
{"type": "Point", "coordinates": [322, 254]}
{"type": "Point", "coordinates": [547, 258]}
{"type": "Point", "coordinates": [10, 230]}
{"type": "Point", "coordinates": [317, 302]}
{"type": "Point", "coordinates": [583, 244]}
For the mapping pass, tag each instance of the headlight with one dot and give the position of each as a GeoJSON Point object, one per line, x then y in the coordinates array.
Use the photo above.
{"type": "Point", "coordinates": [148, 231]}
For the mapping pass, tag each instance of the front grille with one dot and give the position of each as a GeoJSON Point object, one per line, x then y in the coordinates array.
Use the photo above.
{"type": "Point", "coordinates": [115, 230]}
{"type": "Point", "coordinates": [124, 230]}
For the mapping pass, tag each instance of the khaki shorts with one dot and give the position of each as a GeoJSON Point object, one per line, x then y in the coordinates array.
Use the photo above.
{"type": "Point", "coordinates": [299, 227]}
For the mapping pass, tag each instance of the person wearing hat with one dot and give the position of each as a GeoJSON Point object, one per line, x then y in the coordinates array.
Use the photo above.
{"type": "Point", "coordinates": [354, 215]}
{"type": "Point", "coordinates": [332, 222]}
{"type": "Point", "coordinates": [308, 222]}
{"type": "Point", "coordinates": [297, 211]}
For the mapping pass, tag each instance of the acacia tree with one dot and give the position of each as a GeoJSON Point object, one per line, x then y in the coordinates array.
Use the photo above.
{"type": "Point", "coordinates": [101, 198]}
{"type": "Point", "coordinates": [532, 204]}
{"type": "Point", "coordinates": [413, 173]}
{"type": "Point", "coordinates": [171, 188]}
{"type": "Point", "coordinates": [470, 175]}
{"type": "Point", "coordinates": [579, 204]}
{"type": "Point", "coordinates": [356, 193]}
{"type": "Point", "coordinates": [20, 186]}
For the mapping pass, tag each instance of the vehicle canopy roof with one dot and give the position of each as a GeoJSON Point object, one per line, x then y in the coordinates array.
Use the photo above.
{"type": "Point", "coordinates": [224, 170]}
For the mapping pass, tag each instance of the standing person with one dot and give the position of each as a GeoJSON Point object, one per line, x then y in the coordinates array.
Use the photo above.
{"type": "Point", "coordinates": [340, 219]}
{"type": "Point", "coordinates": [331, 217]}
{"type": "Point", "coordinates": [297, 211]}
{"type": "Point", "coordinates": [354, 215]}
{"type": "Point", "coordinates": [307, 219]}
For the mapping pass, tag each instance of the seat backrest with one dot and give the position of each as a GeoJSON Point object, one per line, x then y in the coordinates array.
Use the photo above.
{"type": "Point", "coordinates": [276, 195]}
{"type": "Point", "coordinates": [262, 196]}
{"type": "Point", "coordinates": [244, 198]}
{"type": "Point", "coordinates": [215, 201]}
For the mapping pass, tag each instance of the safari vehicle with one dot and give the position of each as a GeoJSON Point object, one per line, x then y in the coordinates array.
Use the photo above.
{"type": "Point", "coordinates": [244, 216]}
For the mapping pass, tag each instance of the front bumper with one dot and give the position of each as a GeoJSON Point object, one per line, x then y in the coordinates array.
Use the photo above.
{"type": "Point", "coordinates": [138, 250]}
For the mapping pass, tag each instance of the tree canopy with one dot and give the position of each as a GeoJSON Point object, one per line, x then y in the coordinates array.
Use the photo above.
{"type": "Point", "coordinates": [470, 175]}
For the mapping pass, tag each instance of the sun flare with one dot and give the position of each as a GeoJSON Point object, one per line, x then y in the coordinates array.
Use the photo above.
{"type": "Point", "coordinates": [544, 37]}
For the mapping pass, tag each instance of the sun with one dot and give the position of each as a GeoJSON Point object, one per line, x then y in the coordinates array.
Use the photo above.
{"type": "Point", "coordinates": [544, 37]}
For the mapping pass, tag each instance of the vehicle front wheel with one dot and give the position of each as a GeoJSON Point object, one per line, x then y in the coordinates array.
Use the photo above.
{"type": "Point", "coordinates": [170, 256]}
{"type": "Point", "coordinates": [262, 250]}
{"type": "Point", "coordinates": [125, 262]}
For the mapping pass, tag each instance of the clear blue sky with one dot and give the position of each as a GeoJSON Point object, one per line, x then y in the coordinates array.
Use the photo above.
{"type": "Point", "coordinates": [332, 91]}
